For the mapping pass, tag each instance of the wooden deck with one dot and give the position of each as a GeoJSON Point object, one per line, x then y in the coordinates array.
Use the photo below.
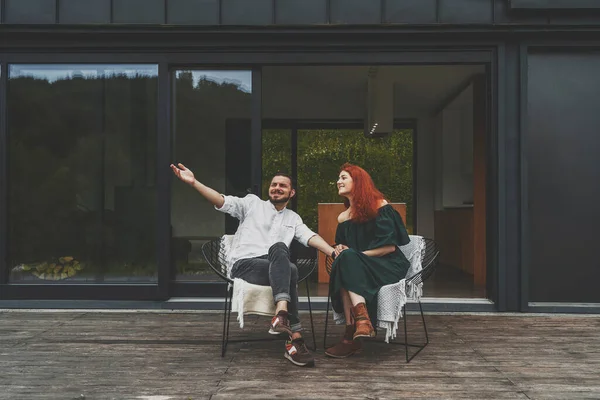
{"type": "Point", "coordinates": [164, 355]}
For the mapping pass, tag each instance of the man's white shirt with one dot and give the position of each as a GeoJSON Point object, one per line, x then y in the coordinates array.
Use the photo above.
{"type": "Point", "coordinates": [261, 226]}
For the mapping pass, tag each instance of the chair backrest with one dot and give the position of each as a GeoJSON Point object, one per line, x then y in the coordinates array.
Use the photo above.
{"type": "Point", "coordinates": [216, 256]}
{"type": "Point", "coordinates": [305, 259]}
{"type": "Point", "coordinates": [413, 251]}
{"type": "Point", "coordinates": [429, 258]}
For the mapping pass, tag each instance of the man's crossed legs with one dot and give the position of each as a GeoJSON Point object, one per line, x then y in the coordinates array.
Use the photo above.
{"type": "Point", "coordinates": [276, 270]}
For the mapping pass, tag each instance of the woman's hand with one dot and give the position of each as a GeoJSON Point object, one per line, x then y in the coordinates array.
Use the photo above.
{"type": "Point", "coordinates": [339, 248]}
{"type": "Point", "coordinates": [380, 251]}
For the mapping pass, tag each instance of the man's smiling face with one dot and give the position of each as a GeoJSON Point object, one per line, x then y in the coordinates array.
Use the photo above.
{"type": "Point", "coordinates": [280, 190]}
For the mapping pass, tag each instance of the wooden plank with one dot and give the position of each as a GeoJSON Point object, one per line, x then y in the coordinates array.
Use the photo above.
{"type": "Point", "coordinates": [177, 355]}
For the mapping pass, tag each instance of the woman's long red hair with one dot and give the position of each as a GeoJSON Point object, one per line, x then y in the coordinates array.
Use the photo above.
{"type": "Point", "coordinates": [366, 199]}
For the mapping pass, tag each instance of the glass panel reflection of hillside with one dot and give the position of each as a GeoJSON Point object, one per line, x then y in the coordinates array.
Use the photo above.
{"type": "Point", "coordinates": [82, 173]}
{"type": "Point", "coordinates": [211, 136]}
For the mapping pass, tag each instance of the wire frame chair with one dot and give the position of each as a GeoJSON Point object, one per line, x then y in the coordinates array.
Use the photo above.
{"type": "Point", "coordinates": [304, 259]}
{"type": "Point", "coordinates": [429, 260]}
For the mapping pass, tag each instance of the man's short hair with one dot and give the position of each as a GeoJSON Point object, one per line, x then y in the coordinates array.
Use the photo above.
{"type": "Point", "coordinates": [287, 176]}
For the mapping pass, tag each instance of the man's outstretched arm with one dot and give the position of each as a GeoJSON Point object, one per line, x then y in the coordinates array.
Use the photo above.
{"type": "Point", "coordinates": [187, 176]}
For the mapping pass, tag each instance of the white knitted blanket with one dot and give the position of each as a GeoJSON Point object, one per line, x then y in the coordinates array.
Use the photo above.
{"type": "Point", "coordinates": [247, 297]}
{"type": "Point", "coordinates": [251, 299]}
{"type": "Point", "coordinates": [392, 298]}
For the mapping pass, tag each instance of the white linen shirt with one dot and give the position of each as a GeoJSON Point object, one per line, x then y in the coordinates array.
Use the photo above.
{"type": "Point", "coordinates": [261, 226]}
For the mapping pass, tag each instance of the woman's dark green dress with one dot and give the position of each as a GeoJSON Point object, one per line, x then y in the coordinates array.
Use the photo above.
{"type": "Point", "coordinates": [362, 274]}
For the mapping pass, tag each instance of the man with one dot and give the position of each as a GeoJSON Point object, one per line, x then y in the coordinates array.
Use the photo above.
{"type": "Point", "coordinates": [260, 252]}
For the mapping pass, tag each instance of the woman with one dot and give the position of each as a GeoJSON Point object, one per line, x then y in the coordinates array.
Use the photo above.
{"type": "Point", "coordinates": [366, 256]}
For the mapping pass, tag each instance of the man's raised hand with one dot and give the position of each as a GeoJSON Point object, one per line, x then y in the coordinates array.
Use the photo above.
{"type": "Point", "coordinates": [183, 173]}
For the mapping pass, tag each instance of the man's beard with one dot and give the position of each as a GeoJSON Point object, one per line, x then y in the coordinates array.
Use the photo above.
{"type": "Point", "coordinates": [280, 200]}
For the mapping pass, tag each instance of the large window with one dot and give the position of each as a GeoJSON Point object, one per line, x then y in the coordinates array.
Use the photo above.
{"type": "Point", "coordinates": [82, 173]}
{"type": "Point", "coordinates": [211, 136]}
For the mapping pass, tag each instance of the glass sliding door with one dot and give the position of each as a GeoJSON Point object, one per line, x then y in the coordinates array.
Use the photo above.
{"type": "Point", "coordinates": [211, 131]}
{"type": "Point", "coordinates": [82, 173]}
{"type": "Point", "coordinates": [323, 150]}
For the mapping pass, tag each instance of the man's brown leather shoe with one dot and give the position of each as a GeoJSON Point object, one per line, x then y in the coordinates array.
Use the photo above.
{"type": "Point", "coordinates": [346, 347]}
{"type": "Point", "coordinates": [364, 328]}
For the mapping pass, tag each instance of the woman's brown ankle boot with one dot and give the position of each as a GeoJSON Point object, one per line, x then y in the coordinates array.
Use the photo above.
{"type": "Point", "coordinates": [346, 347]}
{"type": "Point", "coordinates": [364, 328]}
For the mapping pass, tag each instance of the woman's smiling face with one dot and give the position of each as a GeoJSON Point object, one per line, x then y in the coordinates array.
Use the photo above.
{"type": "Point", "coordinates": [345, 184]}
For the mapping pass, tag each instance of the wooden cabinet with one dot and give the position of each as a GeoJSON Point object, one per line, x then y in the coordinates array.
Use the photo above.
{"type": "Point", "coordinates": [328, 214]}
{"type": "Point", "coordinates": [461, 243]}
{"type": "Point", "coordinates": [454, 237]}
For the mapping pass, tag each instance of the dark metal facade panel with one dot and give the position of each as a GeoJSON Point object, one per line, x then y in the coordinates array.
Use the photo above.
{"type": "Point", "coordinates": [553, 4]}
{"type": "Point", "coordinates": [561, 145]}
{"type": "Point", "coordinates": [300, 12]}
{"type": "Point", "coordinates": [509, 167]}
{"type": "Point", "coordinates": [503, 15]}
{"type": "Point", "coordinates": [193, 12]}
{"type": "Point", "coordinates": [564, 18]}
{"type": "Point", "coordinates": [139, 11]}
{"type": "Point", "coordinates": [84, 11]}
{"type": "Point", "coordinates": [30, 11]}
{"type": "Point", "coordinates": [465, 11]}
{"type": "Point", "coordinates": [3, 178]}
{"type": "Point", "coordinates": [355, 11]}
{"type": "Point", "coordinates": [410, 11]}
{"type": "Point", "coordinates": [245, 12]}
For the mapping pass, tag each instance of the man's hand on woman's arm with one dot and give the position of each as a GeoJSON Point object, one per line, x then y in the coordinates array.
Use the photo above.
{"type": "Point", "coordinates": [320, 244]}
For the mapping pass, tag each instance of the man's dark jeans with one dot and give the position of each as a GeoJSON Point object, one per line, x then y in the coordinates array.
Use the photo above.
{"type": "Point", "coordinates": [276, 270]}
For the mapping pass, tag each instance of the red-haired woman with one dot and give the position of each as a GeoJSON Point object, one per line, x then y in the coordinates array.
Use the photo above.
{"type": "Point", "coordinates": [366, 256]}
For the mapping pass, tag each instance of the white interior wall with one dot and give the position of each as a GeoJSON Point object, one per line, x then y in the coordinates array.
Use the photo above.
{"type": "Point", "coordinates": [457, 150]}
{"type": "Point", "coordinates": [425, 175]}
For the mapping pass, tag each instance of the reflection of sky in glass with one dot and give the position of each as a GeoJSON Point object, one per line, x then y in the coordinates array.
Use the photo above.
{"type": "Point", "coordinates": [55, 72]}
{"type": "Point", "coordinates": [242, 79]}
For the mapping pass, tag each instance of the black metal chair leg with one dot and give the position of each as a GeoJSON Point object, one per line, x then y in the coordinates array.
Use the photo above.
{"type": "Point", "coordinates": [405, 333]}
{"type": "Point", "coordinates": [223, 345]}
{"type": "Point", "coordinates": [326, 321]}
{"type": "Point", "coordinates": [424, 324]}
{"type": "Point", "coordinates": [228, 321]}
{"type": "Point", "coordinates": [312, 324]}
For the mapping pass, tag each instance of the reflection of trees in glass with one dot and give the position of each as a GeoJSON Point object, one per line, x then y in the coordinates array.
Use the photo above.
{"type": "Point", "coordinates": [203, 107]}
{"type": "Point", "coordinates": [277, 156]}
{"type": "Point", "coordinates": [321, 152]}
{"type": "Point", "coordinates": [82, 172]}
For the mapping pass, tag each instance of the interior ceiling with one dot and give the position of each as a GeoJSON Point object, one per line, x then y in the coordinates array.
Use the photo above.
{"type": "Point", "coordinates": [420, 89]}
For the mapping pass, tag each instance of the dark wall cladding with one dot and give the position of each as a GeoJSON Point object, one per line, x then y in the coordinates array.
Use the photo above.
{"type": "Point", "coordinates": [563, 175]}
{"type": "Point", "coordinates": [465, 11]}
{"type": "Point", "coordinates": [411, 11]}
{"type": "Point", "coordinates": [244, 12]}
{"type": "Point", "coordinates": [84, 12]}
{"type": "Point", "coordinates": [297, 12]}
{"type": "Point", "coordinates": [193, 12]}
{"type": "Point", "coordinates": [355, 12]}
{"type": "Point", "coordinates": [554, 4]}
{"type": "Point", "coordinates": [30, 11]}
{"type": "Point", "coordinates": [139, 11]}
